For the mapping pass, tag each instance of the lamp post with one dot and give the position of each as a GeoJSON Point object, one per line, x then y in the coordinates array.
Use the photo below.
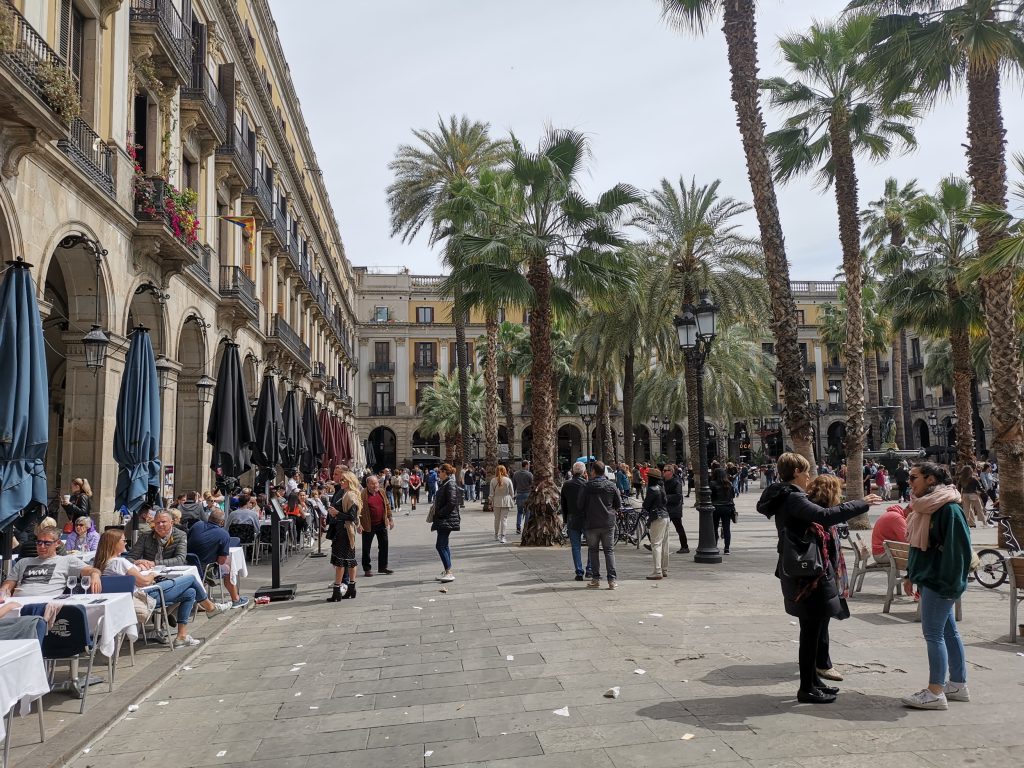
{"type": "Point", "coordinates": [938, 432]}
{"type": "Point", "coordinates": [588, 410]}
{"type": "Point", "coordinates": [696, 328]}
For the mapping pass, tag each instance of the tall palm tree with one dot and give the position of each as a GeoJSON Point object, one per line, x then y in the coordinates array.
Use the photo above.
{"type": "Point", "coordinates": [558, 235]}
{"type": "Point", "coordinates": [885, 236]}
{"type": "Point", "coordinates": [835, 115]}
{"type": "Point", "coordinates": [740, 29]}
{"type": "Point", "coordinates": [696, 244]}
{"type": "Point", "coordinates": [424, 175]}
{"type": "Point", "coordinates": [928, 295]}
{"type": "Point", "coordinates": [931, 47]}
{"type": "Point", "coordinates": [441, 409]}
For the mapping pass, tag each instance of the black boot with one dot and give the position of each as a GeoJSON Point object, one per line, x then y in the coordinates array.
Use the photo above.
{"type": "Point", "coordinates": [351, 594]}
{"type": "Point", "coordinates": [335, 594]}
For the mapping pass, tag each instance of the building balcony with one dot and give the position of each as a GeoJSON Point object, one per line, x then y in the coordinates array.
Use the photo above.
{"type": "Point", "coordinates": [836, 408]}
{"type": "Point", "coordinates": [159, 232]}
{"type": "Point", "coordinates": [883, 367]}
{"type": "Point", "coordinates": [235, 156]}
{"type": "Point", "coordinates": [319, 371]}
{"type": "Point", "coordinates": [201, 268]}
{"type": "Point", "coordinates": [203, 105]}
{"type": "Point", "coordinates": [424, 368]}
{"type": "Point", "coordinates": [917, 405]}
{"type": "Point", "coordinates": [294, 253]}
{"type": "Point", "coordinates": [947, 400]}
{"type": "Point", "coordinates": [92, 156]}
{"type": "Point", "coordinates": [382, 410]}
{"type": "Point", "coordinates": [382, 369]}
{"type": "Point", "coordinates": [238, 295]}
{"type": "Point", "coordinates": [524, 409]}
{"type": "Point", "coordinates": [915, 364]}
{"type": "Point", "coordinates": [837, 369]}
{"type": "Point", "coordinates": [275, 230]}
{"type": "Point", "coordinates": [810, 367]}
{"type": "Point", "coordinates": [282, 335]}
{"type": "Point", "coordinates": [157, 28]}
{"type": "Point", "coordinates": [261, 200]}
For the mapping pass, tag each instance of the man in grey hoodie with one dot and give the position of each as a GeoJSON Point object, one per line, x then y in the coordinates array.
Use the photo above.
{"type": "Point", "coordinates": [192, 510]}
{"type": "Point", "coordinates": [599, 501]}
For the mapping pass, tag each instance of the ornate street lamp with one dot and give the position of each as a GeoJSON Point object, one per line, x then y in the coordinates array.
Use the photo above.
{"type": "Point", "coordinates": [204, 390]}
{"type": "Point", "coordinates": [588, 410]}
{"type": "Point", "coordinates": [696, 328]}
{"type": "Point", "coordinates": [163, 372]}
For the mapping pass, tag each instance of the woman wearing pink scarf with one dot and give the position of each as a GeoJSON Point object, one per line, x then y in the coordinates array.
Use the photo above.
{"type": "Point", "coordinates": [940, 558]}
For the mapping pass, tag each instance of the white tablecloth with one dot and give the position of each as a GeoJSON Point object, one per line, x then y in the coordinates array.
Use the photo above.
{"type": "Point", "coordinates": [22, 676]}
{"type": "Point", "coordinates": [236, 564]}
{"type": "Point", "coordinates": [116, 610]}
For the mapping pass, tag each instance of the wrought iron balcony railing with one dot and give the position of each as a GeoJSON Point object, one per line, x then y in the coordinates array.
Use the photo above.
{"type": "Point", "coordinates": [92, 156]}
{"type": "Point", "coordinates": [166, 23]}
{"type": "Point", "coordinates": [238, 152]}
{"type": "Point", "coordinates": [262, 196]}
{"type": "Point", "coordinates": [382, 368]}
{"type": "Point", "coordinates": [382, 410]}
{"type": "Point", "coordinates": [235, 284]}
{"type": "Point", "coordinates": [283, 334]}
{"type": "Point", "coordinates": [425, 367]}
{"type": "Point", "coordinates": [203, 95]}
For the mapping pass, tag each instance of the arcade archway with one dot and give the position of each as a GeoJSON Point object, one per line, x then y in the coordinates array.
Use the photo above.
{"type": "Point", "coordinates": [384, 444]}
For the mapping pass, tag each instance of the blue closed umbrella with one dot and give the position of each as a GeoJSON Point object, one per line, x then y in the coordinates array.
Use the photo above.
{"type": "Point", "coordinates": [24, 406]}
{"type": "Point", "coordinates": [137, 432]}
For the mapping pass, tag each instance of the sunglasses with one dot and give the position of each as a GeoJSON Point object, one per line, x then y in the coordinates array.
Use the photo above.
{"type": "Point", "coordinates": [43, 543]}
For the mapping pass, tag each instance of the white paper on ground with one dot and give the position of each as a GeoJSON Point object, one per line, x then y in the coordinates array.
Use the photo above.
{"type": "Point", "coordinates": [428, 753]}
{"type": "Point", "coordinates": [222, 753]}
{"type": "Point", "coordinates": [563, 712]}
{"type": "Point", "coordinates": [612, 693]}
{"type": "Point", "coordinates": [295, 669]}
{"type": "Point", "coordinates": [655, 615]}
{"type": "Point", "coordinates": [314, 707]}
{"type": "Point", "coordinates": [510, 658]}
{"type": "Point", "coordinates": [639, 622]}
{"type": "Point", "coordinates": [283, 618]}
{"type": "Point", "coordinates": [359, 695]}
{"type": "Point", "coordinates": [417, 608]}
{"type": "Point", "coordinates": [686, 736]}
{"type": "Point", "coordinates": [431, 599]}
{"type": "Point", "coordinates": [299, 693]}
{"type": "Point", "coordinates": [299, 664]}
{"type": "Point", "coordinates": [186, 668]}
{"type": "Point", "coordinates": [133, 707]}
{"type": "Point", "coordinates": [164, 703]}
{"type": "Point", "coordinates": [639, 671]}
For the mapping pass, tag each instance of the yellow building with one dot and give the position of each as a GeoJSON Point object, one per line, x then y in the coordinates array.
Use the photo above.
{"type": "Point", "coordinates": [136, 124]}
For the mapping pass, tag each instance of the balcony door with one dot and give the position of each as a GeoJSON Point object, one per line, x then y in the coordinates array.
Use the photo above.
{"type": "Point", "coordinates": [381, 397]}
{"type": "Point", "coordinates": [381, 352]}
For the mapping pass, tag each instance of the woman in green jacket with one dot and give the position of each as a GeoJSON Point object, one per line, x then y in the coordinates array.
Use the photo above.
{"type": "Point", "coordinates": [940, 559]}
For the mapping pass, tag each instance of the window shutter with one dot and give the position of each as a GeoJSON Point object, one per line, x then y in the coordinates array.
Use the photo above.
{"type": "Point", "coordinates": [65, 29]}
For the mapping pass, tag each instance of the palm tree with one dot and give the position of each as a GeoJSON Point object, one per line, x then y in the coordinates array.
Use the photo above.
{"type": "Point", "coordinates": [836, 115]}
{"type": "Point", "coordinates": [695, 244]}
{"type": "Point", "coordinates": [930, 47]}
{"type": "Point", "coordinates": [557, 235]}
{"type": "Point", "coordinates": [885, 235]}
{"type": "Point", "coordinates": [740, 29]}
{"type": "Point", "coordinates": [441, 409]}
{"type": "Point", "coordinates": [424, 176]}
{"type": "Point", "coordinates": [928, 295]}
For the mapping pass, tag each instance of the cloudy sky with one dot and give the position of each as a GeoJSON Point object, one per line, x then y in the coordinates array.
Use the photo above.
{"type": "Point", "coordinates": [654, 102]}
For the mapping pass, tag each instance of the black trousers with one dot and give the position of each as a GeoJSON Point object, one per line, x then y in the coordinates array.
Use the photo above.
{"type": "Point", "coordinates": [723, 520]}
{"type": "Point", "coordinates": [814, 651]}
{"type": "Point", "coordinates": [677, 522]}
{"type": "Point", "coordinates": [381, 532]}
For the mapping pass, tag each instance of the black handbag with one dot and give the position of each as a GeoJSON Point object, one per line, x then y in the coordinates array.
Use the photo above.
{"type": "Point", "coordinates": [801, 557]}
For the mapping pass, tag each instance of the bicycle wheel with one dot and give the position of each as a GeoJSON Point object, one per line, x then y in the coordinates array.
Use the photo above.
{"type": "Point", "coordinates": [992, 571]}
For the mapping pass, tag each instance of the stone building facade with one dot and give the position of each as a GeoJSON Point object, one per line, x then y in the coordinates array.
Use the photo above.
{"type": "Point", "coordinates": [129, 122]}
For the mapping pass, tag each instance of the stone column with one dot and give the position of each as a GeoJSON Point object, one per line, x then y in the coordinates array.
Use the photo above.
{"type": "Point", "coordinates": [401, 372]}
{"type": "Point", "coordinates": [170, 405]}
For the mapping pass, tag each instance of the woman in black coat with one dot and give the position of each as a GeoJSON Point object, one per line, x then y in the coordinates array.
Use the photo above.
{"type": "Point", "coordinates": [722, 495]}
{"type": "Point", "coordinates": [811, 600]}
{"type": "Point", "coordinates": [446, 517]}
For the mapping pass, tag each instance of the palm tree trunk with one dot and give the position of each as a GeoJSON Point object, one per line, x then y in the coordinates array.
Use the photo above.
{"type": "Point", "coordinates": [461, 363]}
{"type": "Point", "coordinates": [491, 397]}
{"type": "Point", "coordinates": [908, 417]}
{"type": "Point", "coordinates": [506, 407]}
{"type": "Point", "coordinates": [542, 528]}
{"type": "Point", "coordinates": [871, 389]}
{"type": "Point", "coordinates": [963, 373]}
{"type": "Point", "coordinates": [986, 163]}
{"type": "Point", "coordinates": [740, 27]}
{"type": "Point", "coordinates": [628, 385]}
{"type": "Point", "coordinates": [451, 449]}
{"type": "Point", "coordinates": [849, 238]}
{"type": "Point", "coordinates": [601, 446]}
{"type": "Point", "coordinates": [608, 392]}
{"type": "Point", "coordinates": [896, 365]}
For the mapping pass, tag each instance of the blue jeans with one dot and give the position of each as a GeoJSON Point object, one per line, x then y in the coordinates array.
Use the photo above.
{"type": "Point", "coordinates": [186, 591]}
{"type": "Point", "coordinates": [443, 549]}
{"type": "Point", "coordinates": [945, 648]}
{"type": "Point", "coordinates": [522, 513]}
{"type": "Point", "coordinates": [576, 542]}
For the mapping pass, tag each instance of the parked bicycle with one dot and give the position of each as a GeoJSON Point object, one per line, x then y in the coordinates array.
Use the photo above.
{"type": "Point", "coordinates": [992, 572]}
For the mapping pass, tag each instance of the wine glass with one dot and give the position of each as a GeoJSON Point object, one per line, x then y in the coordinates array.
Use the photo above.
{"type": "Point", "coordinates": [71, 582]}
{"type": "Point", "coordinates": [86, 582]}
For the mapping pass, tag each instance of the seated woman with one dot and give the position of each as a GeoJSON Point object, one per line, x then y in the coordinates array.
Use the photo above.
{"type": "Point", "coordinates": [296, 509]}
{"type": "Point", "coordinates": [185, 590]}
{"type": "Point", "coordinates": [84, 537]}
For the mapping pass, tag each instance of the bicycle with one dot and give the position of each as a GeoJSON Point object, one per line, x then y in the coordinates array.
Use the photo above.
{"type": "Point", "coordinates": [991, 572]}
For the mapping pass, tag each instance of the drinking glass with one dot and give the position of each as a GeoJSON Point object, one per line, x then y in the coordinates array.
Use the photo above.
{"type": "Point", "coordinates": [86, 582]}
{"type": "Point", "coordinates": [72, 582]}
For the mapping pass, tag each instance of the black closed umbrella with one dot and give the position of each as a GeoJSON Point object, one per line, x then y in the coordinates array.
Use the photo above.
{"type": "Point", "coordinates": [230, 430]}
{"type": "Point", "coordinates": [311, 458]}
{"type": "Point", "coordinates": [294, 435]}
{"type": "Point", "coordinates": [268, 445]}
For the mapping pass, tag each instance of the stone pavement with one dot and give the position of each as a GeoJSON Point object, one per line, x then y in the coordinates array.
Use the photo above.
{"type": "Point", "coordinates": [406, 675]}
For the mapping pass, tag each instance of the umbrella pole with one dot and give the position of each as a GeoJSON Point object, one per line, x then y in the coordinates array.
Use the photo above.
{"type": "Point", "coordinates": [276, 591]}
{"type": "Point", "coordinates": [7, 549]}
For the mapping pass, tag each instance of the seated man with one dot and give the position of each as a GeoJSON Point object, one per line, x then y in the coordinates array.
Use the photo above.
{"type": "Point", "coordinates": [890, 526]}
{"type": "Point", "coordinates": [18, 627]}
{"type": "Point", "coordinates": [246, 513]}
{"type": "Point", "coordinates": [210, 542]}
{"type": "Point", "coordinates": [163, 545]}
{"type": "Point", "coordinates": [47, 573]}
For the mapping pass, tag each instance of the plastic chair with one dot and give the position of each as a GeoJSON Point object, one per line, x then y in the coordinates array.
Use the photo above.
{"type": "Point", "coordinates": [74, 639]}
{"type": "Point", "coordinates": [121, 584]}
{"type": "Point", "coordinates": [248, 537]}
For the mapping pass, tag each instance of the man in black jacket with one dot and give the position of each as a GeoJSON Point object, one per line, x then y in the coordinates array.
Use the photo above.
{"type": "Point", "coordinates": [674, 494]}
{"type": "Point", "coordinates": [573, 516]}
{"type": "Point", "coordinates": [598, 502]}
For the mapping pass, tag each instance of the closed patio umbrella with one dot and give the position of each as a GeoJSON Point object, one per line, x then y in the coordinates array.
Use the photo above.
{"type": "Point", "coordinates": [311, 458]}
{"type": "Point", "coordinates": [137, 431]}
{"type": "Point", "coordinates": [294, 435]}
{"type": "Point", "coordinates": [329, 460]}
{"type": "Point", "coordinates": [24, 405]}
{"type": "Point", "coordinates": [230, 429]}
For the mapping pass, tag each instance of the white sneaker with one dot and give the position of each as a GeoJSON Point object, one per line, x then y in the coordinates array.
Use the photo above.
{"type": "Point", "coordinates": [503, 540]}
{"type": "Point", "coordinates": [957, 692]}
{"type": "Point", "coordinates": [925, 699]}
{"type": "Point", "coordinates": [185, 642]}
{"type": "Point", "coordinates": [447, 578]}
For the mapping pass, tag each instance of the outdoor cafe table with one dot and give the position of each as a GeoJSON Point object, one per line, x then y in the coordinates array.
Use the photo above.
{"type": "Point", "coordinates": [22, 677]}
{"type": "Point", "coordinates": [236, 564]}
{"type": "Point", "coordinates": [116, 610]}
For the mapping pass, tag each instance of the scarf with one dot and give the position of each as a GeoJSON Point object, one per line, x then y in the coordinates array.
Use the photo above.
{"type": "Point", "coordinates": [823, 540]}
{"type": "Point", "coordinates": [921, 509]}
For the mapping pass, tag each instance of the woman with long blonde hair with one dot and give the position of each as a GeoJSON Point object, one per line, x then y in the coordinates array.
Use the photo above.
{"type": "Point", "coordinates": [342, 527]}
{"type": "Point", "coordinates": [79, 501]}
{"type": "Point", "coordinates": [502, 500]}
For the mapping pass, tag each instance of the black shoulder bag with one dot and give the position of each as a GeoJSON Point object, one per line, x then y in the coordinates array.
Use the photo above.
{"type": "Point", "coordinates": [801, 557]}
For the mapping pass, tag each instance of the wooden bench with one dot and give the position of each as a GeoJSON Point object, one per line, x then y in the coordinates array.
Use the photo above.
{"type": "Point", "coordinates": [863, 562]}
{"type": "Point", "coordinates": [1015, 569]}
{"type": "Point", "coordinates": [899, 554]}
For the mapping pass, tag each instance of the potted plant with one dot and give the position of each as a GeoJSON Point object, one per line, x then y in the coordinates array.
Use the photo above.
{"type": "Point", "coordinates": [60, 90]}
